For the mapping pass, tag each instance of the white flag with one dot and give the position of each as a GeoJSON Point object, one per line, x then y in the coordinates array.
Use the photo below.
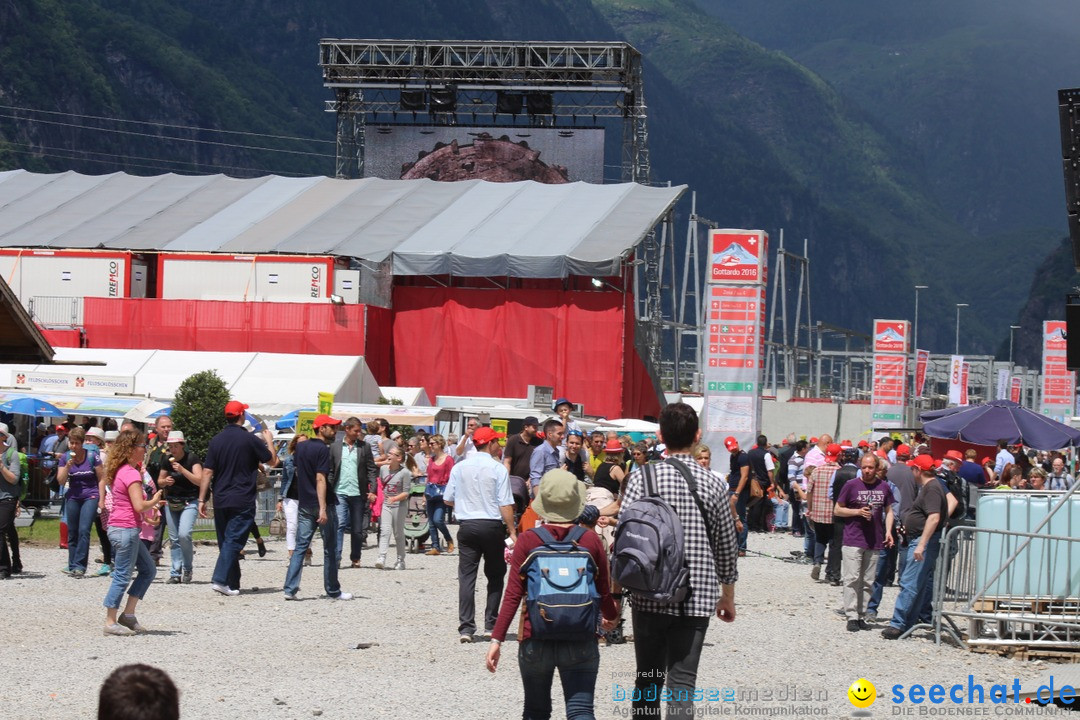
{"type": "Point", "coordinates": [956, 375]}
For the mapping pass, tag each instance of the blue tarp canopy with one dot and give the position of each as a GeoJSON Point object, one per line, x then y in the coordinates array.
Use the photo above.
{"type": "Point", "coordinates": [987, 423]}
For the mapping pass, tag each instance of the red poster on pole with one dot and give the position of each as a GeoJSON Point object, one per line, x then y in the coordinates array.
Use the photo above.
{"type": "Point", "coordinates": [1014, 391]}
{"type": "Point", "coordinates": [922, 360]}
{"type": "Point", "coordinates": [890, 336]}
{"type": "Point", "coordinates": [737, 256]}
{"type": "Point", "coordinates": [964, 384]}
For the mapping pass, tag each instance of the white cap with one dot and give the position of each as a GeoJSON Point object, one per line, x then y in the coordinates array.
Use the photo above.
{"type": "Point", "coordinates": [111, 435]}
{"type": "Point", "coordinates": [3, 429]}
{"type": "Point", "coordinates": [175, 436]}
{"type": "Point", "coordinates": [395, 435]}
{"type": "Point", "coordinates": [96, 432]}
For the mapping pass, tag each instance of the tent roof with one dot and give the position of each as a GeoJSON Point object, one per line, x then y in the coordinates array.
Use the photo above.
{"type": "Point", "coordinates": [470, 228]}
{"type": "Point", "coordinates": [251, 377]}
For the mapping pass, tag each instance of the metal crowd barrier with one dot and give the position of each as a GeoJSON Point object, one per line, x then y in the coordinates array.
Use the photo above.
{"type": "Point", "coordinates": [997, 587]}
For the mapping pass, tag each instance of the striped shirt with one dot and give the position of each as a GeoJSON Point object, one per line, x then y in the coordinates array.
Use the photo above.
{"type": "Point", "coordinates": [709, 567]}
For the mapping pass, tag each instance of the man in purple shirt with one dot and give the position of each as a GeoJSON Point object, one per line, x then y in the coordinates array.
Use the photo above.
{"type": "Point", "coordinates": [866, 502]}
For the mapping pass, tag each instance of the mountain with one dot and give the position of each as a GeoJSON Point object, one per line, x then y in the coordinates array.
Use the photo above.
{"type": "Point", "coordinates": [766, 141]}
{"type": "Point", "coordinates": [969, 87]}
{"type": "Point", "coordinates": [1054, 277]}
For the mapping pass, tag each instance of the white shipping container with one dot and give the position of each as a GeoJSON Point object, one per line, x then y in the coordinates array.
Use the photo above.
{"type": "Point", "coordinates": [237, 278]}
{"type": "Point", "coordinates": [44, 273]}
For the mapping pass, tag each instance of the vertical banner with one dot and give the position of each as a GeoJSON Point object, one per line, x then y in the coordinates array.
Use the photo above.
{"type": "Point", "coordinates": [889, 394]}
{"type": "Point", "coordinates": [326, 403]}
{"type": "Point", "coordinates": [956, 371]}
{"type": "Point", "coordinates": [922, 360]}
{"type": "Point", "coordinates": [889, 397]}
{"type": "Point", "coordinates": [1059, 383]}
{"type": "Point", "coordinates": [1016, 389]}
{"type": "Point", "coordinates": [1002, 384]}
{"type": "Point", "coordinates": [964, 384]}
{"type": "Point", "coordinates": [734, 318]}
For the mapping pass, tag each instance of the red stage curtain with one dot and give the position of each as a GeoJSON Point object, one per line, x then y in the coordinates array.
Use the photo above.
{"type": "Point", "coordinates": [494, 343]}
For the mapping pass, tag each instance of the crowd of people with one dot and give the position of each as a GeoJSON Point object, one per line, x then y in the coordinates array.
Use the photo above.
{"type": "Point", "coordinates": [867, 513]}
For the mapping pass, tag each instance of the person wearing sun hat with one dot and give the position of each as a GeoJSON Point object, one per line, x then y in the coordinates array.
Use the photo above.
{"type": "Point", "coordinates": [232, 468]}
{"type": "Point", "coordinates": [560, 501]}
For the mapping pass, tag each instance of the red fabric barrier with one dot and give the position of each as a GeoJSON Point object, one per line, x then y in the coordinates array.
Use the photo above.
{"type": "Point", "coordinates": [455, 341]}
{"type": "Point", "coordinates": [62, 338]}
{"type": "Point", "coordinates": [304, 328]}
{"type": "Point", "coordinates": [379, 343]}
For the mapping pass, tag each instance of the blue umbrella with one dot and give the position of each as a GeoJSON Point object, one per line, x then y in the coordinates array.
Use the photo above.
{"type": "Point", "coordinates": [1000, 420]}
{"type": "Point", "coordinates": [31, 406]}
{"type": "Point", "coordinates": [289, 421]}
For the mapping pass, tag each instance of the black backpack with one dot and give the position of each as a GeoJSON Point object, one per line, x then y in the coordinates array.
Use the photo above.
{"type": "Point", "coordinates": [958, 488]}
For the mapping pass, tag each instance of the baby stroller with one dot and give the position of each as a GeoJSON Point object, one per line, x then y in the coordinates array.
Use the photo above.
{"type": "Point", "coordinates": [416, 520]}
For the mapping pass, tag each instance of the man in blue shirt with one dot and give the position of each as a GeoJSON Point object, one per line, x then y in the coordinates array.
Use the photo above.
{"type": "Point", "coordinates": [546, 456]}
{"type": "Point", "coordinates": [479, 492]}
{"type": "Point", "coordinates": [318, 508]}
{"type": "Point", "coordinates": [232, 465]}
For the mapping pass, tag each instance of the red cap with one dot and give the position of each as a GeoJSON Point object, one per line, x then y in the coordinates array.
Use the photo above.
{"type": "Point", "coordinates": [235, 408]}
{"type": "Point", "coordinates": [954, 455]}
{"type": "Point", "coordinates": [864, 443]}
{"type": "Point", "coordinates": [923, 462]}
{"type": "Point", "coordinates": [813, 441]}
{"type": "Point", "coordinates": [903, 450]}
{"type": "Point", "coordinates": [783, 442]}
{"type": "Point", "coordinates": [986, 460]}
{"type": "Point", "coordinates": [832, 452]}
{"type": "Point", "coordinates": [484, 435]}
{"type": "Point", "coordinates": [325, 420]}
{"type": "Point", "coordinates": [731, 443]}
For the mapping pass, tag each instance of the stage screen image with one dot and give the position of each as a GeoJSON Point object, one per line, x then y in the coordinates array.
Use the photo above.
{"type": "Point", "coordinates": [497, 154]}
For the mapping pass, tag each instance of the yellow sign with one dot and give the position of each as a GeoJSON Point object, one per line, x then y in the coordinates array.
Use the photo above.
{"type": "Point", "coordinates": [499, 426]}
{"type": "Point", "coordinates": [326, 403]}
{"type": "Point", "coordinates": [305, 423]}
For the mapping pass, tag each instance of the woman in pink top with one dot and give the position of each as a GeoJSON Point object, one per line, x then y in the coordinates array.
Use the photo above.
{"type": "Point", "coordinates": [123, 473]}
{"type": "Point", "coordinates": [438, 474]}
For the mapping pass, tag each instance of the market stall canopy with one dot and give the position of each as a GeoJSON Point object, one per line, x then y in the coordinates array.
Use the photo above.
{"type": "Point", "coordinates": [251, 377]}
{"type": "Point", "coordinates": [394, 414]}
{"type": "Point", "coordinates": [1000, 420]}
{"type": "Point", "coordinates": [114, 406]}
{"type": "Point", "coordinates": [471, 228]}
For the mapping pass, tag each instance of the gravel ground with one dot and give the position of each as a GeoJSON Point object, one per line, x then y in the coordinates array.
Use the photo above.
{"type": "Point", "coordinates": [257, 656]}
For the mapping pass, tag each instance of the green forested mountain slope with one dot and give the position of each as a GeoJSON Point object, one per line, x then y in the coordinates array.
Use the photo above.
{"type": "Point", "coordinates": [765, 141]}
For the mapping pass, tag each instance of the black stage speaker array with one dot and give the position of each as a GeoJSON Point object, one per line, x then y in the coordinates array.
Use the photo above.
{"type": "Point", "coordinates": [1069, 116]}
{"type": "Point", "coordinates": [1072, 332]}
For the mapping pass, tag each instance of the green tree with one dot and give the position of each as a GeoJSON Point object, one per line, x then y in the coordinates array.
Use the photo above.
{"type": "Point", "coordinates": [199, 409]}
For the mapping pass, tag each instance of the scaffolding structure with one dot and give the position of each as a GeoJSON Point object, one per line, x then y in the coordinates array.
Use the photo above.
{"type": "Point", "coordinates": [462, 82]}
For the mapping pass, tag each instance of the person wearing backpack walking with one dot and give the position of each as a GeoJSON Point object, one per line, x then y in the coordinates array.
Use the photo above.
{"type": "Point", "coordinates": [560, 619]}
{"type": "Point", "coordinates": [681, 575]}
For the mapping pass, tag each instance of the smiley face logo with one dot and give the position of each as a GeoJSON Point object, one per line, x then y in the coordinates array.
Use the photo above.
{"type": "Point", "coordinates": [862, 693]}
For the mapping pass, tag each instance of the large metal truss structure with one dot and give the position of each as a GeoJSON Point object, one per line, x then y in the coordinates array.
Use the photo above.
{"type": "Point", "coordinates": [569, 80]}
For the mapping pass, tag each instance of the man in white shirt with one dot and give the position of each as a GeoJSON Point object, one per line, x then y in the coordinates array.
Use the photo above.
{"type": "Point", "coordinates": [1004, 457]}
{"type": "Point", "coordinates": [479, 492]}
{"type": "Point", "coordinates": [466, 447]}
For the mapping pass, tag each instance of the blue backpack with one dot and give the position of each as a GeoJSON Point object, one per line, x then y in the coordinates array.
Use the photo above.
{"type": "Point", "coordinates": [560, 588]}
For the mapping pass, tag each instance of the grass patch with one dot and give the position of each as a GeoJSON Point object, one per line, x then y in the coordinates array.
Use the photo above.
{"type": "Point", "coordinates": [45, 532]}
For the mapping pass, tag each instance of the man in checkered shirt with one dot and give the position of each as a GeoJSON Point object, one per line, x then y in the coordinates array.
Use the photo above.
{"type": "Point", "coordinates": [668, 638]}
{"type": "Point", "coordinates": [820, 505]}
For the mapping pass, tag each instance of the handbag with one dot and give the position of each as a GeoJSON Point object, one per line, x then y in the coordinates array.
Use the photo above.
{"type": "Point", "coordinates": [434, 490]}
{"type": "Point", "coordinates": [277, 525]}
{"type": "Point", "coordinates": [756, 491]}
